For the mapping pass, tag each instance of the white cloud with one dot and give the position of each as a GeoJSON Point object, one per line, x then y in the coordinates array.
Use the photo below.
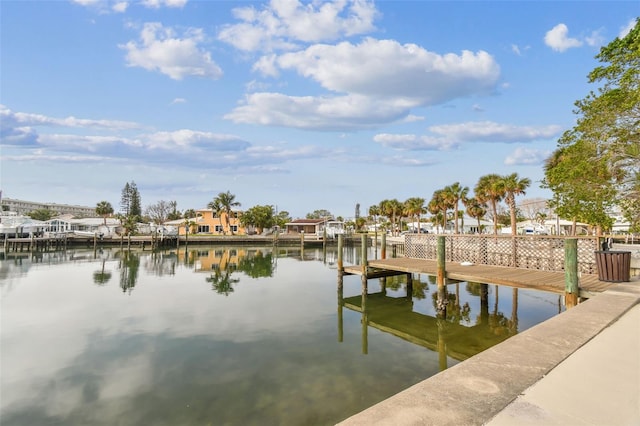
{"type": "Point", "coordinates": [160, 50]}
{"type": "Point", "coordinates": [283, 23]}
{"type": "Point", "coordinates": [184, 147]}
{"type": "Point", "coordinates": [526, 157]}
{"type": "Point", "coordinates": [364, 90]}
{"type": "Point", "coordinates": [627, 28]}
{"type": "Point", "coordinates": [120, 7]}
{"type": "Point", "coordinates": [188, 139]}
{"type": "Point", "coordinates": [557, 38]}
{"type": "Point", "coordinates": [156, 4]}
{"type": "Point", "coordinates": [518, 50]}
{"type": "Point", "coordinates": [595, 39]}
{"type": "Point", "coordinates": [349, 112]}
{"type": "Point", "coordinates": [413, 118]}
{"type": "Point", "coordinates": [410, 142]}
{"type": "Point", "coordinates": [87, 2]}
{"type": "Point", "coordinates": [449, 136]}
{"type": "Point", "coordinates": [388, 69]}
{"type": "Point", "coordinates": [488, 131]}
{"type": "Point", "coordinates": [178, 101]}
{"type": "Point", "coordinates": [21, 119]}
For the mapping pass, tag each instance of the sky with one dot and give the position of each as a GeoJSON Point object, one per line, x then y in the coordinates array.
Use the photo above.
{"type": "Point", "coordinates": [301, 105]}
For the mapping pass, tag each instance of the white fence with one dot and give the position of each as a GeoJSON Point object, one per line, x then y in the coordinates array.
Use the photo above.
{"type": "Point", "coordinates": [544, 253]}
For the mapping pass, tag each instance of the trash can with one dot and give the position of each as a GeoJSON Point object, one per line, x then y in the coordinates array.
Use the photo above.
{"type": "Point", "coordinates": [613, 266]}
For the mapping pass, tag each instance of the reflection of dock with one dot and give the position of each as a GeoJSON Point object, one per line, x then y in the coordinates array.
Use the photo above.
{"type": "Point", "coordinates": [513, 277]}
{"type": "Point", "coordinates": [396, 316]}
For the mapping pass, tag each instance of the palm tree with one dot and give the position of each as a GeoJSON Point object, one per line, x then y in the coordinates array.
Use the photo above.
{"type": "Point", "coordinates": [104, 209]}
{"type": "Point", "coordinates": [227, 200]}
{"type": "Point", "coordinates": [512, 186]}
{"type": "Point", "coordinates": [392, 209]}
{"type": "Point", "coordinates": [475, 209]}
{"type": "Point", "coordinates": [455, 194]}
{"type": "Point", "coordinates": [374, 211]}
{"type": "Point", "coordinates": [217, 211]}
{"type": "Point", "coordinates": [414, 207]}
{"type": "Point", "coordinates": [490, 189]}
{"type": "Point", "coordinates": [438, 206]}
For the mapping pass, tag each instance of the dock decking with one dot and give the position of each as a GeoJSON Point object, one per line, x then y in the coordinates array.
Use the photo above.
{"type": "Point", "coordinates": [512, 277]}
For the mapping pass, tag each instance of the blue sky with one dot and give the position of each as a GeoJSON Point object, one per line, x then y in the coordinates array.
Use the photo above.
{"type": "Point", "coordinates": [301, 105]}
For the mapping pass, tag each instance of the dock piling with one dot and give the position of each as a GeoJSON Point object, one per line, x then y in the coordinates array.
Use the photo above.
{"type": "Point", "coordinates": [571, 285]}
{"type": "Point", "coordinates": [440, 277]}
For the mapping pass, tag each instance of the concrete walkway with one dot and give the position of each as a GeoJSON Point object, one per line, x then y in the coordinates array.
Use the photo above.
{"type": "Point", "coordinates": [599, 384]}
{"type": "Point", "coordinates": [581, 367]}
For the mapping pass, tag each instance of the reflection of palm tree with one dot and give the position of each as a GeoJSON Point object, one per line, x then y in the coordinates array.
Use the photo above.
{"type": "Point", "coordinates": [256, 265]}
{"type": "Point", "coordinates": [222, 282]}
{"type": "Point", "coordinates": [419, 288]}
{"type": "Point", "coordinates": [101, 277]}
{"type": "Point", "coordinates": [129, 266]}
{"type": "Point", "coordinates": [514, 311]}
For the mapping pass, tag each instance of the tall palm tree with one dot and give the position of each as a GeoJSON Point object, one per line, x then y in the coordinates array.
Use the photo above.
{"type": "Point", "coordinates": [374, 211]}
{"type": "Point", "coordinates": [216, 207]}
{"type": "Point", "coordinates": [512, 186]}
{"type": "Point", "coordinates": [490, 189]}
{"type": "Point", "coordinates": [414, 207]}
{"type": "Point", "coordinates": [475, 209]}
{"type": "Point", "coordinates": [227, 201]}
{"type": "Point", "coordinates": [392, 209]}
{"type": "Point", "coordinates": [438, 206]}
{"type": "Point", "coordinates": [455, 194]}
{"type": "Point", "coordinates": [104, 209]}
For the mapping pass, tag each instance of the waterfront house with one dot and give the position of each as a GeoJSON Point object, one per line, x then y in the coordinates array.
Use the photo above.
{"type": "Point", "coordinates": [313, 227]}
{"type": "Point", "coordinates": [210, 222]}
{"type": "Point", "coordinates": [15, 225]}
{"type": "Point", "coordinates": [105, 227]}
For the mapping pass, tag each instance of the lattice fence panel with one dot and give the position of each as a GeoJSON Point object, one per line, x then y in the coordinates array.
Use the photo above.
{"type": "Point", "coordinates": [545, 253]}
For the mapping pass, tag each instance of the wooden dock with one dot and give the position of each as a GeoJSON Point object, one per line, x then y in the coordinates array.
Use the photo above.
{"type": "Point", "coordinates": [513, 277]}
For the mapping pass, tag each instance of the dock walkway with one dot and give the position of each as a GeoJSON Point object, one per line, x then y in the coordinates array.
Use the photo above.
{"type": "Point", "coordinates": [513, 277]}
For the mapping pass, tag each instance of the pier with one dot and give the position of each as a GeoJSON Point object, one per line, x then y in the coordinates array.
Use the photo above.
{"type": "Point", "coordinates": [513, 277]}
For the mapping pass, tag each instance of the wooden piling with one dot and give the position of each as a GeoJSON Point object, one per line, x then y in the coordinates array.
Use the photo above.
{"type": "Point", "coordinates": [340, 254]}
{"type": "Point", "coordinates": [340, 304]}
{"type": "Point", "coordinates": [363, 253]}
{"type": "Point", "coordinates": [441, 276]}
{"type": "Point", "coordinates": [365, 318]}
{"type": "Point", "coordinates": [571, 284]}
{"type": "Point", "coordinates": [383, 247]}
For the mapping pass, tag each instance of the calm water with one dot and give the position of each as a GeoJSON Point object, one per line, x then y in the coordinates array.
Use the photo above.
{"type": "Point", "coordinates": [228, 336]}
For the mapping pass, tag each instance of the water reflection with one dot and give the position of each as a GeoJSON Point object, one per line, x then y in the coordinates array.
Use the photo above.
{"type": "Point", "coordinates": [452, 335]}
{"type": "Point", "coordinates": [129, 263]}
{"type": "Point", "coordinates": [221, 281]}
{"type": "Point", "coordinates": [175, 352]}
{"type": "Point", "coordinates": [101, 277]}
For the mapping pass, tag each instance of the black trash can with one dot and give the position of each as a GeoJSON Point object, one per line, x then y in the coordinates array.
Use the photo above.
{"type": "Point", "coordinates": [613, 266]}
